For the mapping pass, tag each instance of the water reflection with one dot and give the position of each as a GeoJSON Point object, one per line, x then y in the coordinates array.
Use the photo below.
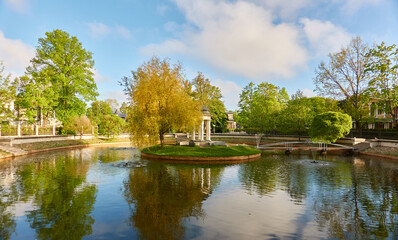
{"type": "Point", "coordinates": [78, 194]}
{"type": "Point", "coordinates": [351, 198]}
{"type": "Point", "coordinates": [62, 200]}
{"type": "Point", "coordinates": [163, 197]}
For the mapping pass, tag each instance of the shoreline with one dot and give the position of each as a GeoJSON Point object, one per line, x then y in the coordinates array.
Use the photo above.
{"type": "Point", "coordinates": [31, 152]}
{"type": "Point", "coordinates": [173, 158]}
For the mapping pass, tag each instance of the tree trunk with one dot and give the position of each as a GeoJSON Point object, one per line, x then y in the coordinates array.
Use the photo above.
{"type": "Point", "coordinates": [161, 137]}
{"type": "Point", "coordinates": [36, 129]}
{"type": "Point", "coordinates": [359, 127]}
{"type": "Point", "coordinates": [54, 124]}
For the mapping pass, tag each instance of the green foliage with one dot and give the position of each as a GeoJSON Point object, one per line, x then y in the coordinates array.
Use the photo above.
{"type": "Point", "coordinates": [79, 124]}
{"type": "Point", "coordinates": [60, 77]}
{"type": "Point", "coordinates": [7, 95]}
{"type": "Point", "coordinates": [210, 96]}
{"type": "Point", "coordinates": [330, 126]}
{"type": "Point", "coordinates": [97, 111]}
{"type": "Point", "coordinates": [123, 108]}
{"type": "Point", "coordinates": [297, 116]}
{"type": "Point", "coordinates": [160, 101]}
{"type": "Point", "coordinates": [383, 85]}
{"type": "Point", "coordinates": [111, 125]}
{"type": "Point", "coordinates": [260, 106]}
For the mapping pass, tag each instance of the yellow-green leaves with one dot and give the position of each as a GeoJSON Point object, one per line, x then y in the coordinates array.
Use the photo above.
{"type": "Point", "coordinates": [159, 102]}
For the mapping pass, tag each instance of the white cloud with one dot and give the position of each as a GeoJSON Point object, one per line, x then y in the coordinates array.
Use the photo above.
{"type": "Point", "coordinates": [15, 54]}
{"type": "Point", "coordinates": [98, 78]}
{"type": "Point", "coordinates": [18, 5]}
{"type": "Point", "coordinates": [114, 94]}
{"type": "Point", "coordinates": [308, 93]}
{"type": "Point", "coordinates": [237, 37]}
{"type": "Point", "coordinates": [230, 92]}
{"type": "Point", "coordinates": [325, 37]}
{"type": "Point", "coordinates": [351, 6]}
{"type": "Point", "coordinates": [122, 31]}
{"type": "Point", "coordinates": [99, 29]}
{"type": "Point", "coordinates": [161, 9]}
{"type": "Point", "coordinates": [285, 9]}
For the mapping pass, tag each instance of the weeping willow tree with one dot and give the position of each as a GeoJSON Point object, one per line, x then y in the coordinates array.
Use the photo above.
{"type": "Point", "coordinates": [160, 101]}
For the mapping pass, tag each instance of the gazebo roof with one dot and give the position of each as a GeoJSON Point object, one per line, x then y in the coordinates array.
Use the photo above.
{"type": "Point", "coordinates": [205, 111]}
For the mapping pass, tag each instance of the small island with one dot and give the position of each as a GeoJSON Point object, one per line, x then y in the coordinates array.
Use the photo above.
{"type": "Point", "coordinates": [213, 153]}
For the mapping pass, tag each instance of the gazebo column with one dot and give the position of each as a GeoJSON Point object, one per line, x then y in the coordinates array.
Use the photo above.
{"type": "Point", "coordinates": [201, 131]}
{"type": "Point", "coordinates": [193, 135]}
{"type": "Point", "coordinates": [208, 130]}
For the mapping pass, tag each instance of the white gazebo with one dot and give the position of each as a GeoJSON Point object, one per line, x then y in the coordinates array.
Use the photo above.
{"type": "Point", "coordinates": [204, 126]}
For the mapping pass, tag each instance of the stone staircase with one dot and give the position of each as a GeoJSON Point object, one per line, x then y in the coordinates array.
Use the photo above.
{"type": "Point", "coordinates": [12, 150]}
{"type": "Point", "coordinates": [362, 146]}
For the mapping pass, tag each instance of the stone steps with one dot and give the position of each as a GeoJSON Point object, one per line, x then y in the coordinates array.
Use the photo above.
{"type": "Point", "coordinates": [362, 146]}
{"type": "Point", "coordinates": [13, 150]}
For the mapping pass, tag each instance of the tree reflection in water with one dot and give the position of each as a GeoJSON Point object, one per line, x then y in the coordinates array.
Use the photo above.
{"type": "Point", "coordinates": [7, 222]}
{"type": "Point", "coordinates": [163, 197]}
{"type": "Point", "coordinates": [351, 199]}
{"type": "Point", "coordinates": [63, 201]}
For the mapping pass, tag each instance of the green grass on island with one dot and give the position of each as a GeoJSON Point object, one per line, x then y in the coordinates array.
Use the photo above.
{"type": "Point", "coordinates": [213, 151]}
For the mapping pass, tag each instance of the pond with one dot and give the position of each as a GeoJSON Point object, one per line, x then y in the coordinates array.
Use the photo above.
{"type": "Point", "coordinates": [85, 194]}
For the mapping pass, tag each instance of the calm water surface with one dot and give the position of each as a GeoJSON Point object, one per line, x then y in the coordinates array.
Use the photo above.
{"type": "Point", "coordinates": [79, 194]}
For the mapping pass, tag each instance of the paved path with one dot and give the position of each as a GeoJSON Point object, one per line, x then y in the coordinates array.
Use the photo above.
{"type": "Point", "coordinates": [13, 150]}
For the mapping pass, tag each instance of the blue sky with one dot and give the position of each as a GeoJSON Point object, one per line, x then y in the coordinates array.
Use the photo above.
{"type": "Point", "coordinates": [231, 42]}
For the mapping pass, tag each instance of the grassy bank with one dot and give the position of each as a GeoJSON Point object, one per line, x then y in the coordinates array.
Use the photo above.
{"type": "Point", "coordinates": [213, 151]}
{"type": "Point", "coordinates": [63, 143]}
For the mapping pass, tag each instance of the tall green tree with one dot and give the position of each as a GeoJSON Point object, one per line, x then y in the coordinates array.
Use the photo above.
{"type": "Point", "coordinates": [160, 101]}
{"type": "Point", "coordinates": [330, 126]}
{"type": "Point", "coordinates": [123, 108]}
{"type": "Point", "coordinates": [260, 106]}
{"type": "Point", "coordinates": [97, 111]}
{"type": "Point", "coordinates": [297, 116]}
{"type": "Point", "coordinates": [344, 77]}
{"type": "Point", "coordinates": [65, 68]}
{"type": "Point", "coordinates": [383, 85]}
{"type": "Point", "coordinates": [7, 95]}
{"type": "Point", "coordinates": [210, 96]}
{"type": "Point", "coordinates": [79, 125]}
{"type": "Point", "coordinates": [111, 125]}
{"type": "Point", "coordinates": [35, 99]}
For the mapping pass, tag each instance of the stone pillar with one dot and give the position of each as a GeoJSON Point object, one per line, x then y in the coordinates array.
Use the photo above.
{"type": "Point", "coordinates": [19, 129]}
{"type": "Point", "coordinates": [208, 130]}
{"type": "Point", "coordinates": [369, 104]}
{"type": "Point", "coordinates": [54, 125]}
{"type": "Point", "coordinates": [193, 135]}
{"type": "Point", "coordinates": [37, 129]}
{"type": "Point", "coordinates": [201, 131]}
